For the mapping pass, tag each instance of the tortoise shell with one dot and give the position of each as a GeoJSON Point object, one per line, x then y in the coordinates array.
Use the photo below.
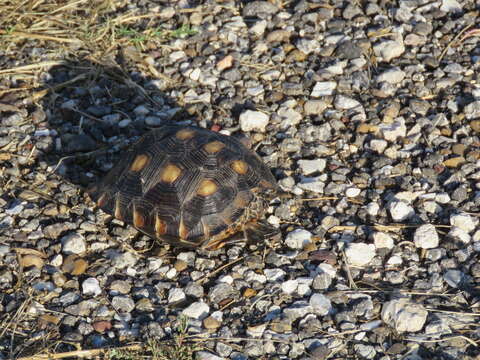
{"type": "Point", "coordinates": [187, 186]}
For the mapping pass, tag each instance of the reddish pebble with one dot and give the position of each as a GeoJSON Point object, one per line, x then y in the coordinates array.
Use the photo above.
{"type": "Point", "coordinates": [102, 326]}
{"type": "Point", "coordinates": [323, 255]}
{"type": "Point", "coordinates": [216, 128]}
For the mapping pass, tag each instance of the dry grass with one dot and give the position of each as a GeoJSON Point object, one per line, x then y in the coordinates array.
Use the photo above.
{"type": "Point", "coordinates": [93, 28]}
{"type": "Point", "coordinates": [80, 31]}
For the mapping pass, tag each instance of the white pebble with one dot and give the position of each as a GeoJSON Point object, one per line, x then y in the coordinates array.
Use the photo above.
{"type": "Point", "coordinates": [459, 234]}
{"type": "Point", "coordinates": [227, 279]}
{"type": "Point", "coordinates": [258, 28]}
{"type": "Point", "coordinates": [171, 273]}
{"type": "Point", "coordinates": [57, 260]}
{"type": "Point", "coordinates": [91, 286]}
{"type": "Point", "coordinates": [389, 49]}
{"type": "Point", "coordinates": [324, 88]}
{"type": "Point", "coordinates": [257, 330]}
{"type": "Point", "coordinates": [343, 102]}
{"type": "Point", "coordinates": [451, 6]}
{"type": "Point", "coordinates": [289, 286]}
{"type": "Point", "coordinates": [253, 121]}
{"type": "Point", "coordinates": [442, 198]}
{"type": "Point", "coordinates": [352, 192]}
{"type": "Point", "coordinates": [464, 222]}
{"type": "Point", "coordinates": [394, 260]}
{"type": "Point", "coordinates": [378, 145]}
{"type": "Point", "coordinates": [393, 131]}
{"type": "Point", "coordinates": [321, 305]}
{"type": "Point", "coordinates": [274, 274]}
{"type": "Point", "coordinates": [15, 210]}
{"type": "Point", "coordinates": [360, 254]}
{"type": "Point", "coordinates": [403, 315]}
{"type": "Point", "coordinates": [198, 310]}
{"type": "Point", "coordinates": [311, 166]}
{"type": "Point", "coordinates": [298, 239]}
{"type": "Point", "coordinates": [383, 240]}
{"type": "Point", "coordinates": [400, 211]}
{"type": "Point", "coordinates": [372, 208]}
{"type": "Point", "coordinates": [392, 76]}
{"type": "Point", "coordinates": [426, 237]}
{"type": "Point", "coordinates": [176, 295]}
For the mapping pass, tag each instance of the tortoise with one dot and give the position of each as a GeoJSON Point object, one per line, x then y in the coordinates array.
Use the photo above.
{"type": "Point", "coordinates": [190, 187]}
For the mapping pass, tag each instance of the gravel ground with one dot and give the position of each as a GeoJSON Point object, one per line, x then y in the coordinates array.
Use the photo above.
{"type": "Point", "coordinates": [368, 113]}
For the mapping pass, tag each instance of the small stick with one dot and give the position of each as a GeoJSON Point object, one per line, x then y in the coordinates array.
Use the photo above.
{"type": "Point", "coordinates": [449, 45]}
{"type": "Point", "coordinates": [445, 339]}
{"type": "Point", "coordinates": [81, 353]}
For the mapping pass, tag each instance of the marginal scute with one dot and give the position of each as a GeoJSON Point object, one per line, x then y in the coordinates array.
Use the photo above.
{"type": "Point", "coordinates": [140, 162]}
{"type": "Point", "coordinates": [138, 218]}
{"type": "Point", "coordinates": [118, 208]}
{"type": "Point", "coordinates": [102, 200]}
{"type": "Point", "coordinates": [170, 173]}
{"type": "Point", "coordinates": [185, 134]}
{"type": "Point", "coordinates": [240, 167]}
{"type": "Point", "coordinates": [206, 229]}
{"type": "Point", "coordinates": [214, 147]}
{"type": "Point", "coordinates": [160, 226]}
{"type": "Point", "coordinates": [207, 187]}
{"type": "Point", "coordinates": [266, 184]}
{"type": "Point", "coordinates": [182, 230]}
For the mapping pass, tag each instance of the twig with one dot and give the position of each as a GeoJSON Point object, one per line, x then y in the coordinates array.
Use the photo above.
{"type": "Point", "coordinates": [445, 339]}
{"type": "Point", "coordinates": [320, 198]}
{"type": "Point", "coordinates": [32, 67]}
{"type": "Point", "coordinates": [449, 45]}
{"type": "Point", "coordinates": [81, 353]}
{"type": "Point", "coordinates": [21, 34]}
{"type": "Point", "coordinates": [41, 93]}
{"type": "Point", "coordinates": [349, 274]}
{"type": "Point", "coordinates": [221, 268]}
{"type": "Point", "coordinates": [454, 312]}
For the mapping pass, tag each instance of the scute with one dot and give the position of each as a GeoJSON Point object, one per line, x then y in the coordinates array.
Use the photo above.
{"type": "Point", "coordinates": [185, 185]}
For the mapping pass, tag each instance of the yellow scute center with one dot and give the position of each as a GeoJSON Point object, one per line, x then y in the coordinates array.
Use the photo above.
{"type": "Point", "coordinates": [206, 188]}
{"type": "Point", "coordinates": [214, 147]}
{"type": "Point", "coordinates": [240, 167]}
{"type": "Point", "coordinates": [170, 173]}
{"type": "Point", "coordinates": [140, 162]}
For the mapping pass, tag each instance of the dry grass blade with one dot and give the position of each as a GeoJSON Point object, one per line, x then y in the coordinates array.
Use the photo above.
{"type": "Point", "coordinates": [28, 251]}
{"type": "Point", "coordinates": [41, 93]}
{"type": "Point", "coordinates": [454, 41]}
{"type": "Point", "coordinates": [86, 354]}
{"type": "Point", "coordinates": [320, 198]}
{"type": "Point", "coordinates": [454, 312]}
{"type": "Point", "coordinates": [221, 268]}
{"type": "Point", "coordinates": [32, 67]}
{"type": "Point", "coordinates": [445, 339]}
{"type": "Point", "coordinates": [348, 271]}
{"type": "Point", "coordinates": [20, 34]}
